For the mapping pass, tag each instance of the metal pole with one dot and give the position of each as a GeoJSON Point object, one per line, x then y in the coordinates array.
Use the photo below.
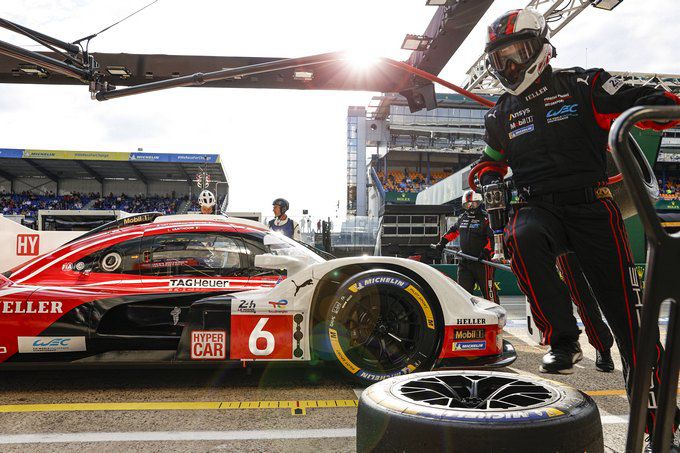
{"type": "Point", "coordinates": [202, 78]}
{"type": "Point", "coordinates": [44, 61]}
{"type": "Point", "coordinates": [71, 48]}
{"type": "Point", "coordinates": [504, 267]}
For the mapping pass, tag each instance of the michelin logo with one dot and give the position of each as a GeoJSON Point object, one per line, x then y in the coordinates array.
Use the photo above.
{"type": "Point", "coordinates": [521, 131]}
{"type": "Point", "coordinates": [376, 280]}
{"type": "Point", "coordinates": [198, 283]}
{"type": "Point", "coordinates": [469, 345]}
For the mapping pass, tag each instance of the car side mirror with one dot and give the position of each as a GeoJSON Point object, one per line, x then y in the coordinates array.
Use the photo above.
{"type": "Point", "coordinates": [269, 261]}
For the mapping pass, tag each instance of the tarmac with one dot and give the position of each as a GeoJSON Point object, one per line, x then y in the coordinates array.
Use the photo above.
{"type": "Point", "coordinates": [268, 408]}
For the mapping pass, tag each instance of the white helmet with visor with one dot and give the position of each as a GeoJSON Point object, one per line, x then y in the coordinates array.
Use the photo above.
{"type": "Point", "coordinates": [518, 48]}
{"type": "Point", "coordinates": [471, 200]}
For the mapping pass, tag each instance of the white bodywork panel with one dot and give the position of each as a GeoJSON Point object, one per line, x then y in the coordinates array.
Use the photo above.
{"type": "Point", "coordinates": [456, 303]}
{"type": "Point", "coordinates": [19, 244]}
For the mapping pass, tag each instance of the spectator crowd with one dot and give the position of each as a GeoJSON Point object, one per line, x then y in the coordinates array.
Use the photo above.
{"type": "Point", "coordinates": [28, 203]}
{"type": "Point", "coordinates": [168, 204]}
{"type": "Point", "coordinates": [408, 181]}
{"type": "Point", "coordinates": [669, 189]}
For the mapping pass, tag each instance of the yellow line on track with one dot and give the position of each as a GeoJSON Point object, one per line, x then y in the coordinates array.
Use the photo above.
{"type": "Point", "coordinates": [605, 392]}
{"type": "Point", "coordinates": [176, 406]}
{"type": "Point", "coordinates": [208, 405]}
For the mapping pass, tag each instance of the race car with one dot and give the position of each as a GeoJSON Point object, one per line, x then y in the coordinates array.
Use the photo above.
{"type": "Point", "coordinates": [209, 289]}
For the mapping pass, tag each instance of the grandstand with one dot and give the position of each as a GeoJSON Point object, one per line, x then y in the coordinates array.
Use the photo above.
{"type": "Point", "coordinates": [416, 150]}
{"type": "Point", "coordinates": [54, 182]}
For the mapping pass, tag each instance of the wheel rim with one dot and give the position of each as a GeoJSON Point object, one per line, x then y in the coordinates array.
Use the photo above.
{"type": "Point", "coordinates": [384, 331]}
{"type": "Point", "coordinates": [477, 392]}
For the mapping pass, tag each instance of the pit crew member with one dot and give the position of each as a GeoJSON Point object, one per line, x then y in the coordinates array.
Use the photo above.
{"type": "Point", "coordinates": [599, 335]}
{"type": "Point", "coordinates": [281, 222]}
{"type": "Point", "coordinates": [207, 201]}
{"type": "Point", "coordinates": [551, 128]}
{"type": "Point", "coordinates": [475, 240]}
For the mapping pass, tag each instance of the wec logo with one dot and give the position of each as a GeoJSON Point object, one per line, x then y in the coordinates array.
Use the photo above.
{"type": "Point", "coordinates": [54, 343]}
{"type": "Point", "coordinates": [51, 344]}
{"type": "Point", "coordinates": [565, 110]}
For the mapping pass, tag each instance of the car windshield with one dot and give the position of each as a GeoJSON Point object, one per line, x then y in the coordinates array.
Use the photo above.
{"type": "Point", "coordinates": [279, 244]}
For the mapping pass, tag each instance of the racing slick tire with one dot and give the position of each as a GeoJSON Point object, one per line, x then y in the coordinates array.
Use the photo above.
{"type": "Point", "coordinates": [476, 411]}
{"type": "Point", "coordinates": [381, 324]}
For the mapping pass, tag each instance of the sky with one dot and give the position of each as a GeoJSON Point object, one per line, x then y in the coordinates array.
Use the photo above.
{"type": "Point", "coordinates": [274, 143]}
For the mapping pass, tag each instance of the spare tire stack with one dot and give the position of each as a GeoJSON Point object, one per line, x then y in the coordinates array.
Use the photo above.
{"type": "Point", "coordinates": [476, 411]}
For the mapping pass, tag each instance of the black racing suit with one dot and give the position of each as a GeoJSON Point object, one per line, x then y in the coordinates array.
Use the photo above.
{"type": "Point", "coordinates": [599, 335]}
{"type": "Point", "coordinates": [554, 137]}
{"type": "Point", "coordinates": [475, 239]}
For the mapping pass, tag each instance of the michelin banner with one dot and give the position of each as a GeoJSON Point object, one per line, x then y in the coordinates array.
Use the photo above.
{"type": "Point", "coordinates": [11, 153]}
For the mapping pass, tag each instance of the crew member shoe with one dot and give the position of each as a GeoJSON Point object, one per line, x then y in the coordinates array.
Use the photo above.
{"type": "Point", "coordinates": [675, 444]}
{"type": "Point", "coordinates": [561, 358]}
{"type": "Point", "coordinates": [603, 361]}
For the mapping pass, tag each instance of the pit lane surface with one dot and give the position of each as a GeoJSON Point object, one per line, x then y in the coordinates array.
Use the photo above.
{"type": "Point", "coordinates": [276, 408]}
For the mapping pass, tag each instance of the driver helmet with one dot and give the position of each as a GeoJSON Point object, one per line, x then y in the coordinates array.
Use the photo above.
{"type": "Point", "coordinates": [471, 200]}
{"type": "Point", "coordinates": [281, 203]}
{"type": "Point", "coordinates": [206, 199]}
{"type": "Point", "coordinates": [522, 37]}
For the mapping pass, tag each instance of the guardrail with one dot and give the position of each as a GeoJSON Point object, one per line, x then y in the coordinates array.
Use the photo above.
{"type": "Point", "coordinates": [660, 286]}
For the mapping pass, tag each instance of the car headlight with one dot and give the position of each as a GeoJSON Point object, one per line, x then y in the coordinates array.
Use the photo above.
{"type": "Point", "coordinates": [500, 312]}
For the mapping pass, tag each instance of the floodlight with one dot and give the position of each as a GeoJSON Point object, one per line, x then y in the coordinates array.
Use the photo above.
{"type": "Point", "coordinates": [120, 71]}
{"type": "Point", "coordinates": [305, 76]}
{"type": "Point", "coordinates": [440, 2]}
{"type": "Point", "coordinates": [416, 42]}
{"type": "Point", "coordinates": [33, 70]}
{"type": "Point", "coordinates": [606, 4]}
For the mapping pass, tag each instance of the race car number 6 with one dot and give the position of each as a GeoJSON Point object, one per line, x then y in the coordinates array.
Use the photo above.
{"type": "Point", "coordinates": [257, 333]}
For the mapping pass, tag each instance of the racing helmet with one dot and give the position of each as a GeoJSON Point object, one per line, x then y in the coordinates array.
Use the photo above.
{"type": "Point", "coordinates": [522, 37]}
{"type": "Point", "coordinates": [206, 199]}
{"type": "Point", "coordinates": [281, 203]}
{"type": "Point", "coordinates": [471, 200]}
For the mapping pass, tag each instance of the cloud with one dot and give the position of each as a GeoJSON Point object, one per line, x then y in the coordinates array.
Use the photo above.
{"type": "Point", "coordinates": [273, 143]}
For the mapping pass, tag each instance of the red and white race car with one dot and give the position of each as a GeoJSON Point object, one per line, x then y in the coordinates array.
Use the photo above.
{"type": "Point", "coordinates": [183, 289]}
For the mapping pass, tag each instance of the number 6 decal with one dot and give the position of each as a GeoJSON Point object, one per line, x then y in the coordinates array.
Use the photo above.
{"type": "Point", "coordinates": [257, 333]}
{"type": "Point", "coordinates": [261, 337]}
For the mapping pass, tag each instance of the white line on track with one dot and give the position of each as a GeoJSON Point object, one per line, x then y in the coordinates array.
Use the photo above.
{"type": "Point", "coordinates": [186, 436]}
{"type": "Point", "coordinates": [164, 436]}
{"type": "Point", "coordinates": [614, 419]}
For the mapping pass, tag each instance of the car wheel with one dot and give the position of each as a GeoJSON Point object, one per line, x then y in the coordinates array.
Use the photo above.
{"type": "Point", "coordinates": [476, 411]}
{"type": "Point", "coordinates": [381, 324]}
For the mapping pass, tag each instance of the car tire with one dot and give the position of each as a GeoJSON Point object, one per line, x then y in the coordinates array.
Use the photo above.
{"type": "Point", "coordinates": [382, 324]}
{"type": "Point", "coordinates": [476, 411]}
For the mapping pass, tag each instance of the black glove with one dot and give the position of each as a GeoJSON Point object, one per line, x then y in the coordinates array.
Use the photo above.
{"type": "Point", "coordinates": [490, 177]}
{"type": "Point", "coordinates": [440, 246]}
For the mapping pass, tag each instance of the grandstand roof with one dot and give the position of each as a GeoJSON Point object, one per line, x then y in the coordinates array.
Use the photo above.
{"type": "Point", "coordinates": [379, 107]}
{"type": "Point", "coordinates": [58, 165]}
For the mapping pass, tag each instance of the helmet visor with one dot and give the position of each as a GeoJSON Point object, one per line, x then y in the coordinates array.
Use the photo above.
{"type": "Point", "coordinates": [519, 52]}
{"type": "Point", "coordinates": [471, 205]}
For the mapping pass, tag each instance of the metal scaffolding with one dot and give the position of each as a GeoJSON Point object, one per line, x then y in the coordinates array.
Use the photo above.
{"type": "Point", "coordinates": [557, 13]}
